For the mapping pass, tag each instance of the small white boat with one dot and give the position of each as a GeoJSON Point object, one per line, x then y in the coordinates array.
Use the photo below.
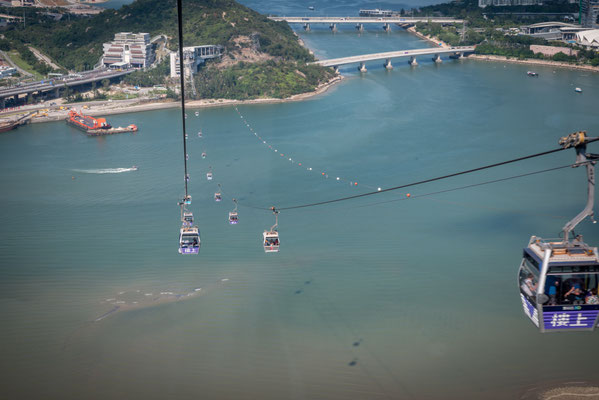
{"type": "Point", "coordinates": [532, 73]}
{"type": "Point", "coordinates": [197, 113]}
{"type": "Point", "coordinates": [578, 90]}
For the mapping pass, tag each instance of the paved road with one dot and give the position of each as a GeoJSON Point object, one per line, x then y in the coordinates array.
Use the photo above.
{"type": "Point", "coordinates": [12, 64]}
{"type": "Point", "coordinates": [70, 80]}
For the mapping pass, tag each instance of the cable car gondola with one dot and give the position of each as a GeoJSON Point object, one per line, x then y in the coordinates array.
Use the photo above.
{"type": "Point", "coordinates": [271, 238]}
{"type": "Point", "coordinates": [187, 218]}
{"type": "Point", "coordinates": [204, 154]}
{"type": "Point", "coordinates": [558, 278]}
{"type": "Point", "coordinates": [217, 195]}
{"type": "Point", "coordinates": [187, 199]}
{"type": "Point", "coordinates": [189, 240]}
{"type": "Point", "coordinates": [233, 217]}
{"type": "Point", "coordinates": [209, 174]}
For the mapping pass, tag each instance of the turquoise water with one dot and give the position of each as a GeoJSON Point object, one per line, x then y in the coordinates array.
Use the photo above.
{"type": "Point", "coordinates": [415, 298]}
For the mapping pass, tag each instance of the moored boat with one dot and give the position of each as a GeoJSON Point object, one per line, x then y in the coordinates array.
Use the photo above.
{"type": "Point", "coordinates": [85, 122]}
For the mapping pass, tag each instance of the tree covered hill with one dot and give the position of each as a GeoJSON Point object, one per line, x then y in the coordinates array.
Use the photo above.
{"type": "Point", "coordinates": [77, 43]}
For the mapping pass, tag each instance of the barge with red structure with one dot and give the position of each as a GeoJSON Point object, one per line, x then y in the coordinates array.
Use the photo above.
{"type": "Point", "coordinates": [95, 126]}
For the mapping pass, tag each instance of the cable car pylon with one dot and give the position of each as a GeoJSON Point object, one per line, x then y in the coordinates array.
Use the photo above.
{"type": "Point", "coordinates": [558, 278]}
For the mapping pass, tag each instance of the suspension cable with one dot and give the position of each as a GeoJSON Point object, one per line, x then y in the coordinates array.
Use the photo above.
{"type": "Point", "coordinates": [182, 75]}
{"type": "Point", "coordinates": [469, 171]}
{"type": "Point", "coordinates": [473, 185]}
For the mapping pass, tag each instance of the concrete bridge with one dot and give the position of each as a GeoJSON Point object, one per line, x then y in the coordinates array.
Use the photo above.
{"type": "Point", "coordinates": [360, 21]}
{"type": "Point", "coordinates": [454, 52]}
{"type": "Point", "coordinates": [54, 85]}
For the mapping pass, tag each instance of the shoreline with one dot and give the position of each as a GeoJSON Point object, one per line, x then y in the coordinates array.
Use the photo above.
{"type": "Point", "coordinates": [490, 57]}
{"type": "Point", "coordinates": [192, 104]}
{"type": "Point", "coordinates": [548, 63]}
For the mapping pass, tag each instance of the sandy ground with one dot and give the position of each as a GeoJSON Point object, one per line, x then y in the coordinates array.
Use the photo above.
{"type": "Point", "coordinates": [571, 393]}
{"type": "Point", "coordinates": [128, 106]}
{"type": "Point", "coordinates": [430, 39]}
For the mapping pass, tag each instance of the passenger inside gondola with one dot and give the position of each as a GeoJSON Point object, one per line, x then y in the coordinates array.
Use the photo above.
{"type": "Point", "coordinates": [592, 298]}
{"type": "Point", "coordinates": [271, 242]}
{"type": "Point", "coordinates": [552, 290]}
{"type": "Point", "coordinates": [189, 241]}
{"type": "Point", "coordinates": [575, 295]}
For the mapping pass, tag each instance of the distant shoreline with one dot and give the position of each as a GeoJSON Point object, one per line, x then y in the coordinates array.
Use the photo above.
{"type": "Point", "coordinates": [103, 110]}
{"type": "Point", "coordinates": [549, 63]}
{"type": "Point", "coordinates": [489, 57]}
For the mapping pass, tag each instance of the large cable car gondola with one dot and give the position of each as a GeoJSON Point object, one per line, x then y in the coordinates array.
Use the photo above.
{"type": "Point", "coordinates": [233, 217]}
{"type": "Point", "coordinates": [558, 278]}
{"type": "Point", "coordinates": [271, 238]}
{"type": "Point", "coordinates": [189, 240]}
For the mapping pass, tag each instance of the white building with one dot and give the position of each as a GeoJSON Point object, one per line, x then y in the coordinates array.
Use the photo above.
{"type": "Point", "coordinates": [588, 38]}
{"type": "Point", "coordinates": [6, 71]}
{"type": "Point", "coordinates": [484, 3]}
{"type": "Point", "coordinates": [193, 57]}
{"type": "Point", "coordinates": [129, 49]}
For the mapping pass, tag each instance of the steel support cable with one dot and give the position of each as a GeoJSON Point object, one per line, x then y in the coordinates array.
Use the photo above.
{"type": "Point", "coordinates": [472, 185]}
{"type": "Point", "coordinates": [182, 75]}
{"type": "Point", "coordinates": [428, 180]}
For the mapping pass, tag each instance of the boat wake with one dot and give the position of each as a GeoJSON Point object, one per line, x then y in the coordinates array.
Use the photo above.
{"type": "Point", "coordinates": [106, 170]}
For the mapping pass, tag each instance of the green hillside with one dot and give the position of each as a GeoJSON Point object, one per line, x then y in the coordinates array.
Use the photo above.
{"type": "Point", "coordinates": [262, 58]}
{"type": "Point", "coordinates": [77, 43]}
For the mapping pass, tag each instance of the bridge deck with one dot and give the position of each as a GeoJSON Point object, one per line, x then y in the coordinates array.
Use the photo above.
{"type": "Point", "coordinates": [334, 62]}
{"type": "Point", "coordinates": [365, 20]}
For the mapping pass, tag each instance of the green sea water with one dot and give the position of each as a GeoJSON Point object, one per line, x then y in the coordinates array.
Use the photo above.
{"type": "Point", "coordinates": [383, 297]}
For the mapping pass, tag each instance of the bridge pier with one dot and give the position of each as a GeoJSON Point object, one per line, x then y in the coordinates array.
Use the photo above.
{"type": "Point", "coordinates": [307, 27]}
{"type": "Point", "coordinates": [387, 64]}
{"type": "Point", "coordinates": [2, 103]}
{"type": "Point", "coordinates": [413, 61]}
{"type": "Point", "coordinates": [360, 27]}
{"type": "Point", "coordinates": [333, 27]}
{"type": "Point", "coordinates": [362, 67]}
{"type": "Point", "coordinates": [57, 92]}
{"type": "Point", "coordinates": [437, 58]}
{"type": "Point", "coordinates": [387, 27]}
{"type": "Point", "coordinates": [336, 68]}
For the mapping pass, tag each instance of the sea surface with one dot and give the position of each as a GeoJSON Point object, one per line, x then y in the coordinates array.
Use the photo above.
{"type": "Point", "coordinates": [382, 297]}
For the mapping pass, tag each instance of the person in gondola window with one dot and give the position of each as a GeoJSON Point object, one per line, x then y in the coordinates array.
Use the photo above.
{"type": "Point", "coordinates": [592, 297]}
{"type": "Point", "coordinates": [552, 292]}
{"type": "Point", "coordinates": [529, 282]}
{"type": "Point", "coordinates": [575, 295]}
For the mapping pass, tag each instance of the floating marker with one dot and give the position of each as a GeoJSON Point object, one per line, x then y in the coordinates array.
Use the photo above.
{"type": "Point", "coordinates": [337, 178]}
{"type": "Point", "coordinates": [355, 183]}
{"type": "Point", "coordinates": [379, 189]}
{"type": "Point", "coordinates": [408, 195]}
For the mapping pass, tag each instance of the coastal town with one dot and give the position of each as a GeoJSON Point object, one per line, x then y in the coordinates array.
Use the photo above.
{"type": "Point", "coordinates": [567, 39]}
